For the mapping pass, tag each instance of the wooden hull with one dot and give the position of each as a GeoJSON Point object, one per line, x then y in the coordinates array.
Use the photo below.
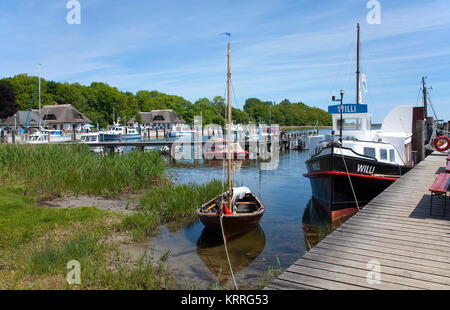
{"type": "Point", "coordinates": [234, 224]}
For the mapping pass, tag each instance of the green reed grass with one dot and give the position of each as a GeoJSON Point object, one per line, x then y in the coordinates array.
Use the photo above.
{"type": "Point", "coordinates": [48, 170]}
{"type": "Point", "coordinates": [169, 203]}
{"type": "Point", "coordinates": [52, 259]}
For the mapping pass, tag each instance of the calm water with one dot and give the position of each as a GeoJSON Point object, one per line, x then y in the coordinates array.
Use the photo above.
{"type": "Point", "coordinates": [289, 225]}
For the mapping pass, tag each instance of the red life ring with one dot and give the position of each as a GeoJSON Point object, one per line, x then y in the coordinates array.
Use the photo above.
{"type": "Point", "coordinates": [442, 143]}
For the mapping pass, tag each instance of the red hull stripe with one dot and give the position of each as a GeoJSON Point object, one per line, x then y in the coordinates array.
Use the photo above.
{"type": "Point", "coordinates": [340, 173]}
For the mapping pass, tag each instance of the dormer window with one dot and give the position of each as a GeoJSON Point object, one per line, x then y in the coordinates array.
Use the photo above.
{"type": "Point", "coordinates": [49, 117]}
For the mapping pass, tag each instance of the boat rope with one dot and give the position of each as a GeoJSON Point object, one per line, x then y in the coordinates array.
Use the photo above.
{"type": "Point", "coordinates": [349, 178]}
{"type": "Point", "coordinates": [226, 251]}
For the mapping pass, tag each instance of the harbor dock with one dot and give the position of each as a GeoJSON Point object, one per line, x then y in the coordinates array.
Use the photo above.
{"type": "Point", "coordinates": [392, 243]}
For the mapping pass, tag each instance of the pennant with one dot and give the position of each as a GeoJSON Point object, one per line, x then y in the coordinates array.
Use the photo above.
{"type": "Point", "coordinates": [364, 82]}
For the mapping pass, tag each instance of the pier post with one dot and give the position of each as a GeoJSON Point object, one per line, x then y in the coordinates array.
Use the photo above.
{"type": "Point", "coordinates": [2, 138]}
{"type": "Point", "coordinates": [13, 137]}
{"type": "Point", "coordinates": [420, 126]}
{"type": "Point", "coordinates": [74, 134]}
{"type": "Point", "coordinates": [120, 137]}
{"type": "Point", "coordinates": [429, 128]}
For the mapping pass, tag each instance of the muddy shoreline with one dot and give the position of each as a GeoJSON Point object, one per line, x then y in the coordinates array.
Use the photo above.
{"type": "Point", "coordinates": [126, 205]}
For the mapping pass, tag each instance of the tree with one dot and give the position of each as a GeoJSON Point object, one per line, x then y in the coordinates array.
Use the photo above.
{"type": "Point", "coordinates": [99, 101]}
{"type": "Point", "coordinates": [8, 104]}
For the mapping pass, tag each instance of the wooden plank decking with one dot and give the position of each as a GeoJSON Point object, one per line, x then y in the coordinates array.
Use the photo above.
{"type": "Point", "coordinates": [396, 230]}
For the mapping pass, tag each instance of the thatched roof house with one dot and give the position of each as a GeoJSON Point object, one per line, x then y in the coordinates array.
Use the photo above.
{"type": "Point", "coordinates": [62, 116]}
{"type": "Point", "coordinates": [158, 117]}
{"type": "Point", "coordinates": [19, 119]}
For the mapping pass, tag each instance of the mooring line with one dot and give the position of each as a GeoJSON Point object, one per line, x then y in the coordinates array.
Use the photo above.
{"type": "Point", "coordinates": [349, 178]}
{"type": "Point", "coordinates": [226, 251]}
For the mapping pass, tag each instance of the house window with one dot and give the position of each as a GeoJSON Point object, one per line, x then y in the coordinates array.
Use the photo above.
{"type": "Point", "coordinates": [369, 151]}
{"type": "Point", "coordinates": [158, 118]}
{"type": "Point", "coordinates": [383, 154]}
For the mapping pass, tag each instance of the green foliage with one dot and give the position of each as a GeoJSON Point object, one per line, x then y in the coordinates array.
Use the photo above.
{"type": "Point", "coordinates": [73, 169]}
{"type": "Point", "coordinates": [173, 203]}
{"type": "Point", "coordinates": [8, 104]}
{"type": "Point", "coordinates": [21, 221]}
{"type": "Point", "coordinates": [102, 104]}
{"type": "Point", "coordinates": [285, 113]}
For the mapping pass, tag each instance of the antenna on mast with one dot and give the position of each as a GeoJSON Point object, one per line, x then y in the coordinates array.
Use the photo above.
{"type": "Point", "coordinates": [357, 65]}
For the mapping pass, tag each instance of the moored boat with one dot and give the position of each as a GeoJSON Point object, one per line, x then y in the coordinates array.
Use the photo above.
{"type": "Point", "coordinates": [244, 214]}
{"type": "Point", "coordinates": [217, 149]}
{"type": "Point", "coordinates": [48, 136]}
{"type": "Point", "coordinates": [90, 138]}
{"type": "Point", "coordinates": [117, 132]}
{"type": "Point", "coordinates": [352, 165]}
{"type": "Point", "coordinates": [237, 210]}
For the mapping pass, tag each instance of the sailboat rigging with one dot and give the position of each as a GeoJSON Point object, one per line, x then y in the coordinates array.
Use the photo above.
{"type": "Point", "coordinates": [243, 209]}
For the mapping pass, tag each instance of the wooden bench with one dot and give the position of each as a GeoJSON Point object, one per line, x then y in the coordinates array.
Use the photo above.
{"type": "Point", "coordinates": [440, 188]}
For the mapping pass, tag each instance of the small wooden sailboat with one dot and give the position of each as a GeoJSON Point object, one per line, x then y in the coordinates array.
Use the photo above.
{"type": "Point", "coordinates": [237, 210]}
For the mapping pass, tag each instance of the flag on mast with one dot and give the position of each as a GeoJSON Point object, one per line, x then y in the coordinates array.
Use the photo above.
{"type": "Point", "coordinates": [364, 82]}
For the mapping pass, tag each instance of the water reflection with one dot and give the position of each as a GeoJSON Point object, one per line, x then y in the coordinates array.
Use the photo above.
{"type": "Point", "coordinates": [242, 250]}
{"type": "Point", "coordinates": [317, 224]}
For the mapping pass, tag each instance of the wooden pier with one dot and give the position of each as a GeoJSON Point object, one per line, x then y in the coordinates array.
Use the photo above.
{"type": "Point", "coordinates": [395, 230]}
{"type": "Point", "coordinates": [289, 141]}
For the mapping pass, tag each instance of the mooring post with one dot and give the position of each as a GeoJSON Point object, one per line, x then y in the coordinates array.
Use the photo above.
{"type": "Point", "coordinates": [13, 137]}
{"type": "Point", "coordinates": [429, 128]}
{"type": "Point", "coordinates": [74, 135]}
{"type": "Point", "coordinates": [2, 139]}
{"type": "Point", "coordinates": [420, 130]}
{"type": "Point", "coordinates": [120, 137]}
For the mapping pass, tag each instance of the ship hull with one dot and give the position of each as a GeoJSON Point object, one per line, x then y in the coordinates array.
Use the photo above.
{"type": "Point", "coordinates": [344, 184]}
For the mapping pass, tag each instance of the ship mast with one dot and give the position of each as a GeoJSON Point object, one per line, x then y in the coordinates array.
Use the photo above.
{"type": "Point", "coordinates": [40, 117]}
{"type": "Point", "coordinates": [357, 66]}
{"type": "Point", "coordinates": [424, 90]}
{"type": "Point", "coordinates": [229, 126]}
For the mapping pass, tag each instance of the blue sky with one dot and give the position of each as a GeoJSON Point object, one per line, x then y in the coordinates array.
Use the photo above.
{"type": "Point", "coordinates": [303, 50]}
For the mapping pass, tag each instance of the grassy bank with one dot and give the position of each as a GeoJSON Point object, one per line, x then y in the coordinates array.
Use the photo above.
{"type": "Point", "coordinates": [50, 170]}
{"type": "Point", "coordinates": [36, 243]}
{"type": "Point", "coordinates": [169, 203]}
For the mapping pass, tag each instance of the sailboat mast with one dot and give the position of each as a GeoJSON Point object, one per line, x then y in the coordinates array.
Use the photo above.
{"type": "Point", "coordinates": [357, 66]}
{"type": "Point", "coordinates": [424, 89]}
{"type": "Point", "coordinates": [229, 125]}
{"type": "Point", "coordinates": [40, 117]}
